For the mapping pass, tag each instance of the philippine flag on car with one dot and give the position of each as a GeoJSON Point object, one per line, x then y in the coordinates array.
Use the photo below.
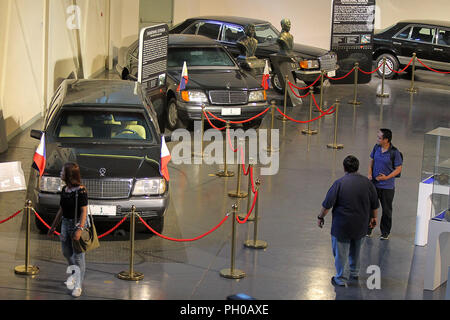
{"type": "Point", "coordinates": [266, 77]}
{"type": "Point", "coordinates": [39, 157]}
{"type": "Point", "coordinates": [184, 78]}
{"type": "Point", "coordinates": [165, 159]}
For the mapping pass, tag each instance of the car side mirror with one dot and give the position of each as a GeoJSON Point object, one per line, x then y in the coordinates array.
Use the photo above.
{"type": "Point", "coordinates": [37, 134]}
{"type": "Point", "coordinates": [168, 137]}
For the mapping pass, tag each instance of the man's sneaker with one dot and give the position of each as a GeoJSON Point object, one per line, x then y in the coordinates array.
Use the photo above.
{"type": "Point", "coordinates": [70, 282]}
{"type": "Point", "coordinates": [76, 292]}
{"type": "Point", "coordinates": [337, 282]}
{"type": "Point", "coordinates": [369, 233]}
{"type": "Point", "coordinates": [384, 237]}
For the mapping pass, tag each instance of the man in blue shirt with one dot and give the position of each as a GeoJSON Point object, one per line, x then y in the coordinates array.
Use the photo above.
{"type": "Point", "coordinates": [385, 164]}
{"type": "Point", "coordinates": [354, 201]}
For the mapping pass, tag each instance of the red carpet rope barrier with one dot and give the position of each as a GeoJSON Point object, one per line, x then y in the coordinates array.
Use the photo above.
{"type": "Point", "coordinates": [292, 90]}
{"type": "Point", "coordinates": [303, 88]}
{"type": "Point", "coordinates": [431, 68]}
{"type": "Point", "coordinates": [366, 72]}
{"type": "Point", "coordinates": [43, 222]}
{"type": "Point", "coordinates": [328, 112]}
{"type": "Point", "coordinates": [341, 77]}
{"type": "Point", "coordinates": [409, 63]}
{"type": "Point", "coordinates": [183, 240]}
{"type": "Point", "coordinates": [9, 218]}
{"type": "Point", "coordinates": [248, 213]}
{"type": "Point", "coordinates": [238, 122]}
{"type": "Point", "coordinates": [210, 123]}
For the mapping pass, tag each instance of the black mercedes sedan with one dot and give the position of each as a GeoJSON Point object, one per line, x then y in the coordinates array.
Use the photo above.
{"type": "Point", "coordinates": [110, 130]}
{"type": "Point", "coordinates": [429, 39]}
{"type": "Point", "coordinates": [215, 81]}
{"type": "Point", "coordinates": [227, 30]}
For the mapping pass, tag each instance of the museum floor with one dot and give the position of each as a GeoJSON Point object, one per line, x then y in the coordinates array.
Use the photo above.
{"type": "Point", "coordinates": [298, 262]}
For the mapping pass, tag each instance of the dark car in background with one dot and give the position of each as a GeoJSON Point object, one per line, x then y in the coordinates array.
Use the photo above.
{"type": "Point", "coordinates": [429, 39]}
{"type": "Point", "coordinates": [215, 81]}
{"type": "Point", "coordinates": [110, 130]}
{"type": "Point", "coordinates": [227, 31]}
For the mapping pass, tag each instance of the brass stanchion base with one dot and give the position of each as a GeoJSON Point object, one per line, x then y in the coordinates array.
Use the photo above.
{"type": "Point", "coordinates": [309, 131]}
{"type": "Point", "coordinates": [31, 270]}
{"type": "Point", "coordinates": [242, 216]}
{"type": "Point", "coordinates": [125, 275]}
{"type": "Point", "coordinates": [234, 194]}
{"type": "Point", "coordinates": [282, 118]}
{"type": "Point", "coordinates": [256, 244]}
{"type": "Point", "coordinates": [355, 102]}
{"type": "Point", "coordinates": [236, 274]}
{"type": "Point", "coordinates": [224, 174]}
{"type": "Point", "coordinates": [335, 146]}
{"type": "Point", "coordinates": [411, 90]}
{"type": "Point", "coordinates": [383, 95]}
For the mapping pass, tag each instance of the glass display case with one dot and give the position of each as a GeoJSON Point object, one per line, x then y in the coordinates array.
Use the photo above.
{"type": "Point", "coordinates": [436, 169]}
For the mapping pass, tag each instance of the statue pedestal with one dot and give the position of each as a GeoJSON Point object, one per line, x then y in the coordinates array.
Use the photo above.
{"type": "Point", "coordinates": [252, 64]}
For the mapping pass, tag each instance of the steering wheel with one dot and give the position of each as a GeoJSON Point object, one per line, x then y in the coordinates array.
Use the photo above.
{"type": "Point", "coordinates": [125, 130]}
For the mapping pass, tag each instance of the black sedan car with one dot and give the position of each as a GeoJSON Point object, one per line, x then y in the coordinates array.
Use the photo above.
{"type": "Point", "coordinates": [430, 40]}
{"type": "Point", "coordinates": [109, 130]}
{"type": "Point", "coordinates": [227, 31]}
{"type": "Point", "coordinates": [214, 80]}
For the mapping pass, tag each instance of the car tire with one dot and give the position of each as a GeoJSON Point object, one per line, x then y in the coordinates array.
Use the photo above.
{"type": "Point", "coordinates": [276, 84]}
{"type": "Point", "coordinates": [41, 227]}
{"type": "Point", "coordinates": [391, 61]}
{"type": "Point", "coordinates": [173, 120]}
{"type": "Point", "coordinates": [156, 224]}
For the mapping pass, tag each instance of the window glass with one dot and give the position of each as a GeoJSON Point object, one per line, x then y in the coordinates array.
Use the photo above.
{"type": "Point", "coordinates": [192, 29]}
{"type": "Point", "coordinates": [212, 56]}
{"type": "Point", "coordinates": [232, 33]}
{"type": "Point", "coordinates": [443, 37]}
{"type": "Point", "coordinates": [266, 33]}
{"type": "Point", "coordinates": [210, 30]}
{"type": "Point", "coordinates": [103, 125]}
{"type": "Point", "coordinates": [404, 34]}
{"type": "Point", "coordinates": [423, 34]}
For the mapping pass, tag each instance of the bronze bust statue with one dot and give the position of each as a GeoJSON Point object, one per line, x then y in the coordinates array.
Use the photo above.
{"type": "Point", "coordinates": [285, 40]}
{"type": "Point", "coordinates": [247, 44]}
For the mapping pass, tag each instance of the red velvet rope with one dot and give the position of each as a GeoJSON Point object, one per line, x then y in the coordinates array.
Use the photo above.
{"type": "Point", "coordinates": [238, 122]}
{"type": "Point", "coordinates": [403, 68]}
{"type": "Point", "coordinates": [114, 228]}
{"type": "Point", "coordinates": [44, 223]}
{"type": "Point", "coordinates": [9, 218]}
{"type": "Point", "coordinates": [251, 209]}
{"type": "Point", "coordinates": [210, 123]}
{"type": "Point", "coordinates": [353, 69]}
{"type": "Point", "coordinates": [324, 113]}
{"type": "Point", "coordinates": [290, 87]}
{"type": "Point", "coordinates": [315, 102]}
{"type": "Point", "coordinates": [445, 72]}
{"type": "Point", "coordinates": [184, 240]}
{"type": "Point", "coordinates": [366, 72]}
{"type": "Point", "coordinates": [251, 179]}
{"type": "Point", "coordinates": [229, 141]}
{"type": "Point", "coordinates": [303, 88]}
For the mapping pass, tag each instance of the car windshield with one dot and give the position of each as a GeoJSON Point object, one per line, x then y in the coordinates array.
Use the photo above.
{"type": "Point", "coordinates": [103, 125]}
{"type": "Point", "coordinates": [266, 33]}
{"type": "Point", "coordinates": [198, 57]}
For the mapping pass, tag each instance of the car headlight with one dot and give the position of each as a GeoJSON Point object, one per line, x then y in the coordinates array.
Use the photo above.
{"type": "Point", "coordinates": [309, 64]}
{"type": "Point", "coordinates": [51, 184]}
{"type": "Point", "coordinates": [258, 95]}
{"type": "Point", "coordinates": [149, 187]}
{"type": "Point", "coordinates": [193, 96]}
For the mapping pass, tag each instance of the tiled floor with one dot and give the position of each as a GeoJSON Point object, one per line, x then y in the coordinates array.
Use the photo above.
{"type": "Point", "coordinates": [298, 262]}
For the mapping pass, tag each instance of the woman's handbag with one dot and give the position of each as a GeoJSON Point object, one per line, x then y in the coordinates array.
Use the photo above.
{"type": "Point", "coordinates": [88, 239]}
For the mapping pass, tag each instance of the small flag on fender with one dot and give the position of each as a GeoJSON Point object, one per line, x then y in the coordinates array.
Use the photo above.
{"type": "Point", "coordinates": [39, 156]}
{"type": "Point", "coordinates": [266, 77]}
{"type": "Point", "coordinates": [184, 78]}
{"type": "Point", "coordinates": [165, 159]}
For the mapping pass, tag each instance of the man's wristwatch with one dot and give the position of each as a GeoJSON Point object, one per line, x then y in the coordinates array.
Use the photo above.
{"type": "Point", "coordinates": [320, 218]}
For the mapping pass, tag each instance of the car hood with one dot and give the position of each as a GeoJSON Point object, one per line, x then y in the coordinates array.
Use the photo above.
{"type": "Point", "coordinates": [265, 49]}
{"type": "Point", "coordinates": [232, 79]}
{"type": "Point", "coordinates": [116, 161]}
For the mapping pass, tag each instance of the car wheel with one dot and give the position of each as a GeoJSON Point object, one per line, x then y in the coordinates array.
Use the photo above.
{"type": "Point", "coordinates": [391, 62]}
{"type": "Point", "coordinates": [173, 120]}
{"type": "Point", "coordinates": [255, 123]}
{"type": "Point", "coordinates": [156, 224]}
{"type": "Point", "coordinates": [276, 84]}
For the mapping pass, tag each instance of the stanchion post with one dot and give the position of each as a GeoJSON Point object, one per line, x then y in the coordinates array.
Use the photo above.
{"type": "Point", "coordinates": [131, 275]}
{"type": "Point", "coordinates": [202, 129]}
{"type": "Point", "coordinates": [269, 144]}
{"type": "Point", "coordinates": [412, 89]}
{"type": "Point", "coordinates": [309, 131]}
{"type": "Point", "coordinates": [251, 217]}
{"type": "Point", "coordinates": [355, 89]}
{"type": "Point", "coordinates": [233, 273]}
{"type": "Point", "coordinates": [335, 145]}
{"type": "Point", "coordinates": [238, 193]}
{"type": "Point", "coordinates": [322, 74]}
{"type": "Point", "coordinates": [255, 243]}
{"type": "Point", "coordinates": [225, 173]}
{"type": "Point", "coordinates": [286, 85]}
{"type": "Point", "coordinates": [382, 94]}
{"type": "Point", "coordinates": [27, 269]}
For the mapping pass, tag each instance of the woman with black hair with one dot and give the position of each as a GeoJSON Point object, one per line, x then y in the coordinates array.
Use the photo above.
{"type": "Point", "coordinates": [73, 198]}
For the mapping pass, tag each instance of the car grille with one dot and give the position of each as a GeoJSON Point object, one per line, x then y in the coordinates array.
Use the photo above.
{"type": "Point", "coordinates": [108, 188]}
{"type": "Point", "coordinates": [228, 97]}
{"type": "Point", "coordinates": [328, 62]}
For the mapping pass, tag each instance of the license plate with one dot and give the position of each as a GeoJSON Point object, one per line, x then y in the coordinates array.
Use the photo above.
{"type": "Point", "coordinates": [331, 73]}
{"type": "Point", "coordinates": [102, 210]}
{"type": "Point", "coordinates": [231, 111]}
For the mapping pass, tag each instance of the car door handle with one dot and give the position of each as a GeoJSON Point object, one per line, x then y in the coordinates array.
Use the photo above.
{"type": "Point", "coordinates": [398, 43]}
{"type": "Point", "coordinates": [438, 49]}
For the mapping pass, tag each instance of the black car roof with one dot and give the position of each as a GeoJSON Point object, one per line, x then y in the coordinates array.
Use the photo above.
{"type": "Point", "coordinates": [96, 91]}
{"type": "Point", "coordinates": [430, 22]}
{"type": "Point", "coordinates": [232, 19]}
{"type": "Point", "coordinates": [190, 40]}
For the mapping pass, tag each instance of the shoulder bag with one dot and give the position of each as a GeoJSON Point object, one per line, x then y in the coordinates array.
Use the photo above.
{"type": "Point", "coordinates": [88, 239]}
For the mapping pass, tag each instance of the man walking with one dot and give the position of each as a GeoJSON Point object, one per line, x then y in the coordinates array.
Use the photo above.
{"type": "Point", "coordinates": [385, 164]}
{"type": "Point", "coordinates": [354, 201]}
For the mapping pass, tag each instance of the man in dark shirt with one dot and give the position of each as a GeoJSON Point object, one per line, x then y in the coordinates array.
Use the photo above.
{"type": "Point", "coordinates": [354, 201]}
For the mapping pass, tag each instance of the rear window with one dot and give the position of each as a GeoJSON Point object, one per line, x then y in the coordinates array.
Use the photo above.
{"type": "Point", "coordinates": [103, 125]}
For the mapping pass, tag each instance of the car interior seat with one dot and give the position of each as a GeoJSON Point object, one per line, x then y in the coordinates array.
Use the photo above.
{"type": "Point", "coordinates": [130, 125]}
{"type": "Point", "coordinates": [75, 128]}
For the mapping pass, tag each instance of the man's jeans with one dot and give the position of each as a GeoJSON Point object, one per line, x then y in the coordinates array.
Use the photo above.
{"type": "Point", "coordinates": [342, 250]}
{"type": "Point", "coordinates": [73, 258]}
